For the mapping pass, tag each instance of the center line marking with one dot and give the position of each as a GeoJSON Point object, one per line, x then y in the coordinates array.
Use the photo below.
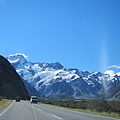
{"type": "Point", "coordinates": [57, 117]}
{"type": "Point", "coordinates": [39, 109]}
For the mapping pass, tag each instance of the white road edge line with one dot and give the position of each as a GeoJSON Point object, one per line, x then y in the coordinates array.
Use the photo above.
{"type": "Point", "coordinates": [57, 117]}
{"type": "Point", "coordinates": [6, 109]}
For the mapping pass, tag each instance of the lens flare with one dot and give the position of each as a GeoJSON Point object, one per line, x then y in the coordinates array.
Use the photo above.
{"type": "Point", "coordinates": [104, 64]}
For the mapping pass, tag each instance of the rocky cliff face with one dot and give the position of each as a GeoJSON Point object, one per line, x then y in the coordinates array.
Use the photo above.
{"type": "Point", "coordinates": [11, 84]}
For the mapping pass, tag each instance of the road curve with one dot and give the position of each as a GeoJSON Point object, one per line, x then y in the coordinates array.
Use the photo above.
{"type": "Point", "coordinates": [25, 111]}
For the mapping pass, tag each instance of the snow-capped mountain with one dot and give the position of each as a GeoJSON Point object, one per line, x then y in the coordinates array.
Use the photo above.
{"type": "Point", "coordinates": [53, 81]}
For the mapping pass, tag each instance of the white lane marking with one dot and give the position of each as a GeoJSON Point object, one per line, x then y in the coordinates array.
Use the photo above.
{"type": "Point", "coordinates": [6, 109]}
{"type": "Point", "coordinates": [33, 107]}
{"type": "Point", "coordinates": [57, 117]}
{"type": "Point", "coordinates": [28, 105]}
{"type": "Point", "coordinates": [39, 109]}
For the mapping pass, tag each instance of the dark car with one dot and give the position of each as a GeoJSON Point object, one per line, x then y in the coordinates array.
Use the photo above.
{"type": "Point", "coordinates": [17, 99]}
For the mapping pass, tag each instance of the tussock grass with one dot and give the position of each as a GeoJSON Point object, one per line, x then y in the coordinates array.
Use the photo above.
{"type": "Point", "coordinates": [4, 103]}
{"type": "Point", "coordinates": [106, 114]}
{"type": "Point", "coordinates": [112, 114]}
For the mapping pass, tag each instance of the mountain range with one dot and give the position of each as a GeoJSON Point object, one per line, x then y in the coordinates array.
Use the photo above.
{"type": "Point", "coordinates": [54, 81]}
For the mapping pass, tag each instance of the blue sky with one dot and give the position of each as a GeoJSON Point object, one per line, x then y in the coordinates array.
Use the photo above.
{"type": "Point", "coordinates": [83, 34]}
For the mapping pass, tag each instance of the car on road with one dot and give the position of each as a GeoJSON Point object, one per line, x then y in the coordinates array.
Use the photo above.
{"type": "Point", "coordinates": [34, 99]}
{"type": "Point", "coordinates": [17, 99]}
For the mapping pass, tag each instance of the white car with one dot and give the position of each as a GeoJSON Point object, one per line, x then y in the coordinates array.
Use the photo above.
{"type": "Point", "coordinates": [34, 99]}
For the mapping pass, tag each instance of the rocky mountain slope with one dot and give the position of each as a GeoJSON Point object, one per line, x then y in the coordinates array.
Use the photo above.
{"type": "Point", "coordinates": [53, 81]}
{"type": "Point", "coordinates": [114, 93]}
{"type": "Point", "coordinates": [10, 82]}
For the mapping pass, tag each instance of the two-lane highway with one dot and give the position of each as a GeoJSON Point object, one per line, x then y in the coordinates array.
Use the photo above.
{"type": "Point", "coordinates": [25, 111]}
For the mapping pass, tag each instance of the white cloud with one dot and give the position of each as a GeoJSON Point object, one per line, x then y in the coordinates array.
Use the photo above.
{"type": "Point", "coordinates": [19, 54]}
{"type": "Point", "coordinates": [114, 66]}
{"type": "Point", "coordinates": [25, 56]}
{"type": "Point", "coordinates": [110, 72]}
{"type": "Point", "coordinates": [118, 73]}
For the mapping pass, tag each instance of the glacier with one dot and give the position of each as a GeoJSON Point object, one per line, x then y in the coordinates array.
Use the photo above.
{"type": "Point", "coordinates": [53, 81]}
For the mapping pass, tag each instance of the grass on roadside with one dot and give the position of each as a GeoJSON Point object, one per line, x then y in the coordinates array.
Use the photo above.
{"type": "Point", "coordinates": [112, 114]}
{"type": "Point", "coordinates": [4, 103]}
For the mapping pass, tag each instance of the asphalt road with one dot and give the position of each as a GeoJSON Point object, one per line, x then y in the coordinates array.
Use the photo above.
{"type": "Point", "coordinates": [26, 111]}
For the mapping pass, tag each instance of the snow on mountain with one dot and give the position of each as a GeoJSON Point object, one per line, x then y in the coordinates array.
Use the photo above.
{"type": "Point", "coordinates": [53, 81]}
{"type": "Point", "coordinates": [17, 60]}
{"type": "Point", "coordinates": [17, 57]}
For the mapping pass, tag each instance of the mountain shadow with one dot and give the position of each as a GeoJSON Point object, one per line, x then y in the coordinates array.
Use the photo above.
{"type": "Point", "coordinates": [11, 84]}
